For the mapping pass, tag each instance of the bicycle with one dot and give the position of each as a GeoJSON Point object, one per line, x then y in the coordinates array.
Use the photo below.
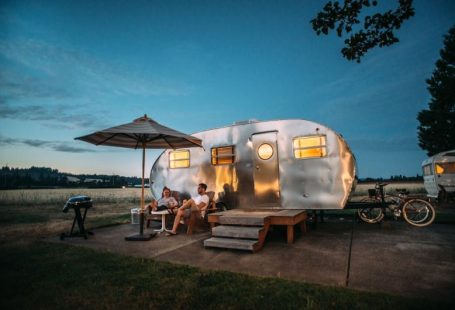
{"type": "Point", "coordinates": [415, 211]}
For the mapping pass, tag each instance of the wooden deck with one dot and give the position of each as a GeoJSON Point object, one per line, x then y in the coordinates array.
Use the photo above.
{"type": "Point", "coordinates": [288, 218]}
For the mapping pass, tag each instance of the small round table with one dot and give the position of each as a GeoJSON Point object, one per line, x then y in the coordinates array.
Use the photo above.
{"type": "Point", "coordinates": [163, 214]}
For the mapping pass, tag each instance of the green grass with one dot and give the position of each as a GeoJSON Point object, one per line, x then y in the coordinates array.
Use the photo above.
{"type": "Point", "coordinates": [39, 275]}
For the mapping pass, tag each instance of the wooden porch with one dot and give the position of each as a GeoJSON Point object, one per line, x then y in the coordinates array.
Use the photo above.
{"type": "Point", "coordinates": [270, 217]}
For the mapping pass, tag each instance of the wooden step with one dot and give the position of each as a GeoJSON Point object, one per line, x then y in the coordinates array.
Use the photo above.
{"type": "Point", "coordinates": [229, 243]}
{"type": "Point", "coordinates": [242, 220]}
{"type": "Point", "coordinates": [245, 232]}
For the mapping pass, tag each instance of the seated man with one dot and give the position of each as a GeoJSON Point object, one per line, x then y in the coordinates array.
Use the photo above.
{"type": "Point", "coordinates": [198, 203]}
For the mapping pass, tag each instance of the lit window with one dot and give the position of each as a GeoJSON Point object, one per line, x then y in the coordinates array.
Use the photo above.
{"type": "Point", "coordinates": [223, 155]}
{"type": "Point", "coordinates": [265, 151]}
{"type": "Point", "coordinates": [310, 147]}
{"type": "Point", "coordinates": [179, 159]}
{"type": "Point", "coordinates": [427, 170]}
{"type": "Point", "coordinates": [445, 168]}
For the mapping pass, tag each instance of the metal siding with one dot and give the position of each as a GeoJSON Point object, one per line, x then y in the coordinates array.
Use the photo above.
{"type": "Point", "coordinates": [314, 183]}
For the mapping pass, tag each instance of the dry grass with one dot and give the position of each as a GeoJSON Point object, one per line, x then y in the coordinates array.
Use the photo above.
{"type": "Point", "coordinates": [37, 221]}
{"type": "Point", "coordinates": [36, 197]}
{"type": "Point", "coordinates": [38, 213]}
{"type": "Point", "coordinates": [412, 187]}
{"type": "Point", "coordinates": [60, 196]}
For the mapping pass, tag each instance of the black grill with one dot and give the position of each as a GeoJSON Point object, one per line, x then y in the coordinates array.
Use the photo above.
{"type": "Point", "coordinates": [77, 203]}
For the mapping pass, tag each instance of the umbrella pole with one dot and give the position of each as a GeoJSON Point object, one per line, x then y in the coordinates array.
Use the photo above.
{"type": "Point", "coordinates": [141, 214]}
{"type": "Point", "coordinates": [141, 236]}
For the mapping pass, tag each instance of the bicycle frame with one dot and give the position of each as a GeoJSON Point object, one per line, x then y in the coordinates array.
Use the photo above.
{"type": "Point", "coordinates": [415, 211]}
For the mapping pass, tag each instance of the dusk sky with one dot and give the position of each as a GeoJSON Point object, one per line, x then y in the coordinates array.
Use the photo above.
{"type": "Point", "coordinates": [68, 68]}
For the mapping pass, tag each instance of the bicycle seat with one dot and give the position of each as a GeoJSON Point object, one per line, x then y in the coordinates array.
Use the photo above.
{"type": "Point", "coordinates": [381, 184]}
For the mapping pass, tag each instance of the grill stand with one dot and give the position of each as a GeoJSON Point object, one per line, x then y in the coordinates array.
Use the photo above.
{"type": "Point", "coordinates": [80, 223]}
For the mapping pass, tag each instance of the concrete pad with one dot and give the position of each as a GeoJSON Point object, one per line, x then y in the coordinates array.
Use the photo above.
{"type": "Point", "coordinates": [401, 259]}
{"type": "Point", "coordinates": [308, 259]}
{"type": "Point", "coordinates": [391, 257]}
{"type": "Point", "coordinates": [112, 239]}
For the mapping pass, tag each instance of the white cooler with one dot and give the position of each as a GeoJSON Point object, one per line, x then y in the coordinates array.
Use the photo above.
{"type": "Point", "coordinates": [135, 216]}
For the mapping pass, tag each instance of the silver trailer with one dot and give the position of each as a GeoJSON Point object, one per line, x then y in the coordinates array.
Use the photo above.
{"type": "Point", "coordinates": [280, 164]}
{"type": "Point", "coordinates": [439, 175]}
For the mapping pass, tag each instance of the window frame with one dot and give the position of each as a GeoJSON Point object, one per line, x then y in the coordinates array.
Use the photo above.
{"type": "Point", "coordinates": [214, 158]}
{"type": "Point", "coordinates": [322, 147]}
{"type": "Point", "coordinates": [261, 147]}
{"type": "Point", "coordinates": [427, 168]}
{"type": "Point", "coordinates": [179, 160]}
{"type": "Point", "coordinates": [447, 168]}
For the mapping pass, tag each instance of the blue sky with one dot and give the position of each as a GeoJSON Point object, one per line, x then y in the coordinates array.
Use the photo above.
{"type": "Point", "coordinates": [68, 68]}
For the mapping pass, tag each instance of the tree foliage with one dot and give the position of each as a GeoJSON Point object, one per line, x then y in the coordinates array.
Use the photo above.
{"type": "Point", "coordinates": [378, 29]}
{"type": "Point", "coordinates": [437, 124]}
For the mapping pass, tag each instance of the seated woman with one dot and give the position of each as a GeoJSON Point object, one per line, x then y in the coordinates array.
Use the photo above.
{"type": "Point", "coordinates": [166, 202]}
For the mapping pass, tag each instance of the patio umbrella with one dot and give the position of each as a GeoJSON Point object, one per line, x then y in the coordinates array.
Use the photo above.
{"type": "Point", "coordinates": [142, 133]}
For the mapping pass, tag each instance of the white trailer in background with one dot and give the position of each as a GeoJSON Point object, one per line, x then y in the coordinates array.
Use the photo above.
{"type": "Point", "coordinates": [439, 175]}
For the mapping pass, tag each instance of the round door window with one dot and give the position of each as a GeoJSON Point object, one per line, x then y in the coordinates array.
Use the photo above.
{"type": "Point", "coordinates": [265, 151]}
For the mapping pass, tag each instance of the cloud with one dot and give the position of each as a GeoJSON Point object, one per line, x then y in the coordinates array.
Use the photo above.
{"type": "Point", "coordinates": [59, 146]}
{"type": "Point", "coordinates": [56, 86]}
{"type": "Point", "coordinates": [68, 70]}
{"type": "Point", "coordinates": [58, 116]}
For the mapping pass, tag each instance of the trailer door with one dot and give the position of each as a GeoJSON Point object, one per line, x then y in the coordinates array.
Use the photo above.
{"type": "Point", "coordinates": [265, 170]}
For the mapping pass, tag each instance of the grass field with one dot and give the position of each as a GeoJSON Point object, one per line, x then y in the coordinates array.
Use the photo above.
{"type": "Point", "coordinates": [412, 187]}
{"type": "Point", "coordinates": [133, 195]}
{"type": "Point", "coordinates": [40, 275]}
{"type": "Point", "coordinates": [60, 196]}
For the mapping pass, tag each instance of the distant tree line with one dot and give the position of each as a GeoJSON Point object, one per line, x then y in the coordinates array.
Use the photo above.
{"type": "Point", "coordinates": [43, 177]}
{"type": "Point", "coordinates": [393, 178]}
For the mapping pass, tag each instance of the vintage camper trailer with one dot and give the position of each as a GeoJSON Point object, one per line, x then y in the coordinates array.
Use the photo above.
{"type": "Point", "coordinates": [281, 164]}
{"type": "Point", "coordinates": [439, 175]}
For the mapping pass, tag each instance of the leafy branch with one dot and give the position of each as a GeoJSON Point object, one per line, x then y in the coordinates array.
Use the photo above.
{"type": "Point", "coordinates": [378, 29]}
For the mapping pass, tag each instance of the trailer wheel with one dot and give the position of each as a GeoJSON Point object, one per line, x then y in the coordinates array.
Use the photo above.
{"type": "Point", "coordinates": [370, 215]}
{"type": "Point", "coordinates": [418, 212]}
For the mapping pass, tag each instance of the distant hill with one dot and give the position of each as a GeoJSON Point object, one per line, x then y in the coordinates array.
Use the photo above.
{"type": "Point", "coordinates": [43, 177]}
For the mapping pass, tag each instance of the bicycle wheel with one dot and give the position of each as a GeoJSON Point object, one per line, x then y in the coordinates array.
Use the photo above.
{"type": "Point", "coordinates": [370, 215]}
{"type": "Point", "coordinates": [418, 212]}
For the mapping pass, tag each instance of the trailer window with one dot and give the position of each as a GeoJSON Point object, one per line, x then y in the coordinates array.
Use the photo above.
{"type": "Point", "coordinates": [223, 155]}
{"type": "Point", "coordinates": [310, 147]}
{"type": "Point", "coordinates": [427, 170]}
{"type": "Point", "coordinates": [445, 168]}
{"type": "Point", "coordinates": [179, 159]}
{"type": "Point", "coordinates": [265, 151]}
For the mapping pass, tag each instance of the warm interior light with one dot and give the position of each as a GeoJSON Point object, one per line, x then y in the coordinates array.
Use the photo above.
{"type": "Point", "coordinates": [223, 155]}
{"type": "Point", "coordinates": [265, 151]}
{"type": "Point", "coordinates": [439, 169]}
{"type": "Point", "coordinates": [310, 147]}
{"type": "Point", "coordinates": [307, 153]}
{"type": "Point", "coordinates": [179, 159]}
{"type": "Point", "coordinates": [310, 141]}
{"type": "Point", "coordinates": [445, 168]}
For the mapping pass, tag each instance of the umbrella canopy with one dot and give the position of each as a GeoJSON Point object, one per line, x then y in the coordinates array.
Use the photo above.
{"type": "Point", "coordinates": [142, 133]}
